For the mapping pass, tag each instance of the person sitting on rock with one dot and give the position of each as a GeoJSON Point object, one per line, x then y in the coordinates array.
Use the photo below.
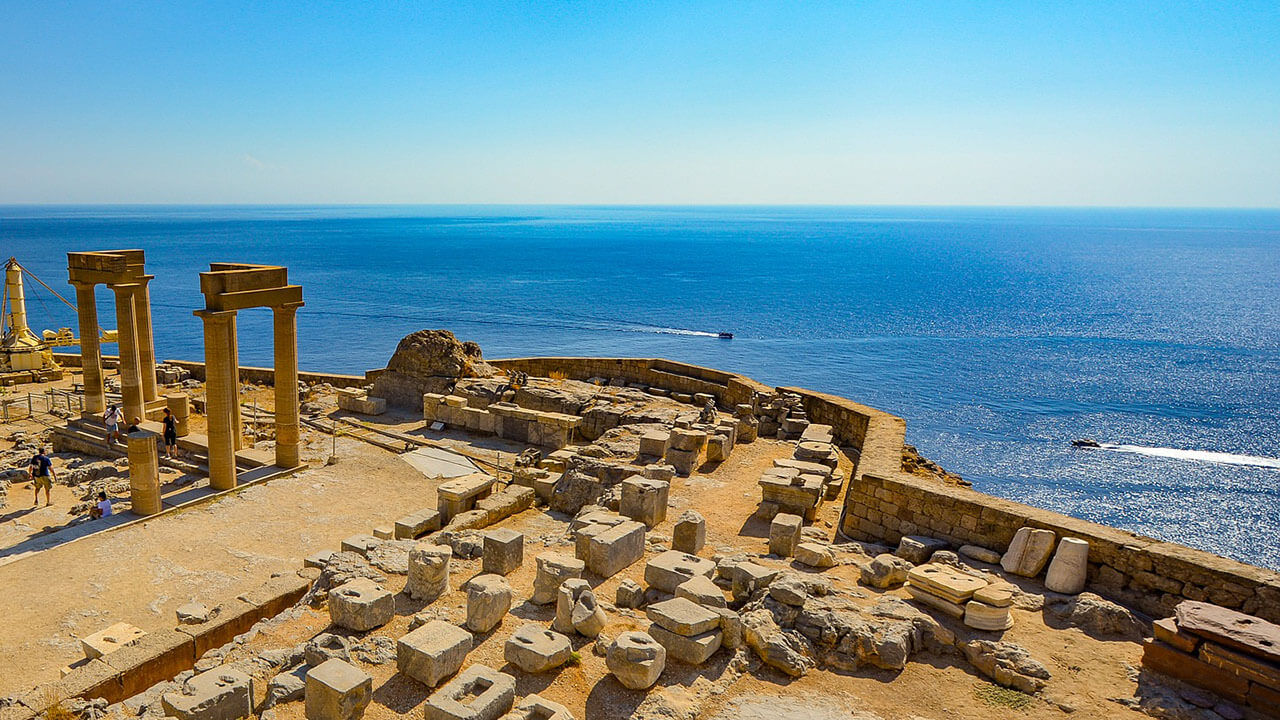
{"type": "Point", "coordinates": [102, 509]}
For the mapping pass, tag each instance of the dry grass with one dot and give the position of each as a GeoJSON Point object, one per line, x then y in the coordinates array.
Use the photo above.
{"type": "Point", "coordinates": [997, 696]}
{"type": "Point", "coordinates": [56, 709]}
{"type": "Point", "coordinates": [558, 375]}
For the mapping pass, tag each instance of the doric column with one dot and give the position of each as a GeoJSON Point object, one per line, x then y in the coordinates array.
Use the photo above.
{"type": "Point", "coordinates": [144, 472]}
{"type": "Point", "coordinates": [237, 423]}
{"type": "Point", "coordinates": [95, 399]}
{"type": "Point", "coordinates": [286, 384]}
{"type": "Point", "coordinates": [218, 388]}
{"type": "Point", "coordinates": [146, 343]}
{"type": "Point", "coordinates": [130, 376]}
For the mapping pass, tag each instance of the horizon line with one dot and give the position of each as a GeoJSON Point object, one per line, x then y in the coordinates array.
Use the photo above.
{"type": "Point", "coordinates": [1255, 208]}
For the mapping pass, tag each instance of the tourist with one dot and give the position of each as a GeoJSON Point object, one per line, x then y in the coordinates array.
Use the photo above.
{"type": "Point", "coordinates": [133, 427]}
{"type": "Point", "coordinates": [170, 434]}
{"type": "Point", "coordinates": [42, 476]}
{"type": "Point", "coordinates": [112, 419]}
{"type": "Point", "coordinates": [102, 509]}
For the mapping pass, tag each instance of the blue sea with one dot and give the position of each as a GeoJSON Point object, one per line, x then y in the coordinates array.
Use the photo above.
{"type": "Point", "coordinates": [1000, 334]}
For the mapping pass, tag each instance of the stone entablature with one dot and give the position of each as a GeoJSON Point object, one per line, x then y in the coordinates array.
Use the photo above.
{"type": "Point", "coordinates": [506, 420]}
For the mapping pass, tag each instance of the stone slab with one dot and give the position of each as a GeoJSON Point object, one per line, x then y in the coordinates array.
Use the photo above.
{"type": "Point", "coordinates": [670, 569]}
{"type": "Point", "coordinates": [1164, 659]}
{"type": "Point", "coordinates": [682, 616]}
{"type": "Point", "coordinates": [432, 652]}
{"type": "Point", "coordinates": [1246, 633]}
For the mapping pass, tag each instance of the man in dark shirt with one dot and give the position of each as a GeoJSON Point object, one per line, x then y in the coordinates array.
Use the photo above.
{"type": "Point", "coordinates": [42, 476]}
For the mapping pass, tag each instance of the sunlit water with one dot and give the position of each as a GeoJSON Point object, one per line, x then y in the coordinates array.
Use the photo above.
{"type": "Point", "coordinates": [1001, 335]}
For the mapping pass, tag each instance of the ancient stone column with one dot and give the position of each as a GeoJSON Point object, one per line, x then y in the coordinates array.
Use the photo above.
{"type": "Point", "coordinates": [219, 391]}
{"type": "Point", "coordinates": [95, 399]}
{"type": "Point", "coordinates": [286, 383]}
{"type": "Point", "coordinates": [180, 405]}
{"type": "Point", "coordinates": [146, 343]}
{"type": "Point", "coordinates": [237, 423]}
{"type": "Point", "coordinates": [130, 375]}
{"type": "Point", "coordinates": [144, 472]}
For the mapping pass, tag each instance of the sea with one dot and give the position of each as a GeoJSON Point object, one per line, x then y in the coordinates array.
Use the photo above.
{"type": "Point", "coordinates": [1000, 334]}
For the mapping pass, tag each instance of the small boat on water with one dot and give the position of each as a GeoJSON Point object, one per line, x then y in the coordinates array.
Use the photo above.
{"type": "Point", "coordinates": [725, 335]}
{"type": "Point", "coordinates": [1085, 443]}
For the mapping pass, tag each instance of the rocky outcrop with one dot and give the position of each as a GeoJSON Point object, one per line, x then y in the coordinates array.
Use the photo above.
{"type": "Point", "coordinates": [428, 361]}
{"type": "Point", "coordinates": [1007, 664]}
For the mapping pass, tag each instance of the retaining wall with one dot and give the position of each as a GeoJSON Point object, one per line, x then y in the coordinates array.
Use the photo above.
{"type": "Point", "coordinates": [261, 376]}
{"type": "Point", "coordinates": [729, 388]}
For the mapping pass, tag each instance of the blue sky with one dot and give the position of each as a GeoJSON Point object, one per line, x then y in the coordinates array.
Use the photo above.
{"type": "Point", "coordinates": [684, 102]}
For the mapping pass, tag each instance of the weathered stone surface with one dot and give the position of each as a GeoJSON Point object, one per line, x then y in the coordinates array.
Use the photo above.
{"type": "Point", "coordinates": [750, 578]}
{"type": "Point", "coordinates": [552, 570]}
{"type": "Point", "coordinates": [337, 690]}
{"type": "Point", "coordinates": [428, 571]}
{"type": "Point", "coordinates": [730, 627]}
{"type": "Point", "coordinates": [945, 582]}
{"type": "Point", "coordinates": [535, 649]}
{"type": "Point", "coordinates": [360, 605]}
{"type": "Point", "coordinates": [690, 650]}
{"type": "Point", "coordinates": [286, 687]}
{"type": "Point", "coordinates": [488, 600]}
{"type": "Point", "coordinates": [391, 556]}
{"type": "Point", "coordinates": [1007, 664]}
{"type": "Point", "coordinates": [432, 652]}
{"type": "Point", "coordinates": [109, 640]}
{"type": "Point", "coordinates": [477, 693]}
{"type": "Point", "coordinates": [1096, 616]}
{"type": "Point", "coordinates": [885, 571]}
{"type": "Point", "coordinates": [702, 591]}
{"type": "Point", "coordinates": [223, 693]}
{"type": "Point", "coordinates": [1166, 631]}
{"type": "Point", "coordinates": [613, 549]}
{"type": "Point", "coordinates": [415, 525]}
{"type": "Point", "coordinates": [536, 707]}
{"type": "Point", "coordinates": [683, 616]}
{"type": "Point", "coordinates": [636, 660]}
{"type": "Point", "coordinates": [987, 617]}
{"type": "Point", "coordinates": [630, 594]}
{"type": "Point", "coordinates": [670, 569]}
{"type": "Point", "coordinates": [789, 589]}
{"type": "Point", "coordinates": [427, 361]}
{"type": "Point", "coordinates": [503, 551]}
{"type": "Point", "coordinates": [917, 549]}
{"type": "Point", "coordinates": [577, 609]}
{"type": "Point", "coordinates": [689, 533]}
{"type": "Point", "coordinates": [937, 602]}
{"type": "Point", "coordinates": [324, 647]}
{"type": "Point", "coordinates": [644, 500]}
{"type": "Point", "coordinates": [359, 543]}
{"type": "Point", "coordinates": [995, 594]}
{"type": "Point", "coordinates": [654, 443]}
{"type": "Point", "coordinates": [1070, 567]}
{"type": "Point", "coordinates": [1228, 627]}
{"type": "Point", "coordinates": [781, 649]}
{"type": "Point", "coordinates": [981, 554]}
{"type": "Point", "coordinates": [784, 534]}
{"type": "Point", "coordinates": [1029, 551]}
{"type": "Point", "coordinates": [193, 613]}
{"type": "Point", "coordinates": [1161, 658]}
{"type": "Point", "coordinates": [815, 555]}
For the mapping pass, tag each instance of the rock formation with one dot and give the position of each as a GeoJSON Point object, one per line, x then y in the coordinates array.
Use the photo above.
{"type": "Point", "coordinates": [428, 361]}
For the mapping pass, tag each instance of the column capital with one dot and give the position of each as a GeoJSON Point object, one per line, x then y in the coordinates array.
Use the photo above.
{"type": "Point", "coordinates": [82, 284]}
{"type": "Point", "coordinates": [287, 307]}
{"type": "Point", "coordinates": [215, 316]}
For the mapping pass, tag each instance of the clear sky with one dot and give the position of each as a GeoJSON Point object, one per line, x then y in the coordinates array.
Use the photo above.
{"type": "Point", "coordinates": [1042, 103]}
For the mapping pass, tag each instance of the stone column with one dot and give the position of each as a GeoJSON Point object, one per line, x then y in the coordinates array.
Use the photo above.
{"type": "Point", "coordinates": [130, 376]}
{"type": "Point", "coordinates": [219, 386]}
{"type": "Point", "coordinates": [146, 343]}
{"type": "Point", "coordinates": [237, 423]}
{"type": "Point", "coordinates": [180, 405]}
{"type": "Point", "coordinates": [286, 383]}
{"type": "Point", "coordinates": [95, 398]}
{"type": "Point", "coordinates": [144, 472]}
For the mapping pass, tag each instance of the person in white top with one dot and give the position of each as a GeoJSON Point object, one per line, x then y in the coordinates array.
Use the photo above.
{"type": "Point", "coordinates": [112, 420]}
{"type": "Point", "coordinates": [102, 509]}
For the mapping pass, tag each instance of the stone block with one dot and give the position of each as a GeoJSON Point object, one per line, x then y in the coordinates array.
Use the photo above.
{"type": "Point", "coordinates": [317, 560]}
{"type": "Point", "coordinates": [981, 554]}
{"type": "Point", "coordinates": [1161, 658]}
{"type": "Point", "coordinates": [477, 693]}
{"type": "Point", "coordinates": [415, 525]}
{"type": "Point", "coordinates": [615, 548]}
{"type": "Point", "coordinates": [690, 532]}
{"type": "Point", "coordinates": [577, 609]}
{"type": "Point", "coordinates": [654, 443]}
{"type": "Point", "coordinates": [326, 646]}
{"type": "Point", "coordinates": [670, 569]}
{"type": "Point", "coordinates": [946, 582]}
{"type": "Point", "coordinates": [702, 591]}
{"type": "Point", "coordinates": [1029, 551]}
{"type": "Point", "coordinates": [688, 440]}
{"type": "Point", "coordinates": [552, 570]}
{"type": "Point", "coordinates": [428, 571]}
{"type": "Point", "coordinates": [917, 549]}
{"type": "Point", "coordinates": [359, 543]}
{"type": "Point", "coordinates": [636, 660]}
{"type": "Point", "coordinates": [683, 617]}
{"type": "Point", "coordinates": [629, 594]}
{"type": "Point", "coordinates": [110, 639]}
{"type": "Point", "coordinates": [684, 462]}
{"type": "Point", "coordinates": [488, 600]}
{"type": "Point", "coordinates": [1070, 567]}
{"type": "Point", "coordinates": [385, 532]}
{"type": "Point", "coordinates": [1166, 631]}
{"type": "Point", "coordinates": [360, 605]}
{"type": "Point", "coordinates": [503, 551]}
{"type": "Point", "coordinates": [750, 578]}
{"type": "Point", "coordinates": [223, 693]}
{"type": "Point", "coordinates": [337, 690]}
{"type": "Point", "coordinates": [690, 650]}
{"type": "Point", "coordinates": [536, 707]}
{"type": "Point", "coordinates": [534, 649]}
{"type": "Point", "coordinates": [432, 652]}
{"type": "Point", "coordinates": [1233, 629]}
{"type": "Point", "coordinates": [925, 597]}
{"type": "Point", "coordinates": [784, 534]}
{"type": "Point", "coordinates": [644, 500]}
{"type": "Point", "coordinates": [659, 471]}
{"type": "Point", "coordinates": [718, 448]}
{"type": "Point", "coordinates": [731, 628]}
{"type": "Point", "coordinates": [982, 616]}
{"type": "Point", "coordinates": [996, 594]}
{"type": "Point", "coordinates": [815, 555]}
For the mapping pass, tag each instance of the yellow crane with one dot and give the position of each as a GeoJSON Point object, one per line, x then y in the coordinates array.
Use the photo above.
{"type": "Point", "coordinates": [25, 356]}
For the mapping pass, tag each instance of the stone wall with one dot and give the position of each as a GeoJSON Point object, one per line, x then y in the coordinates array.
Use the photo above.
{"type": "Point", "coordinates": [729, 388]}
{"type": "Point", "coordinates": [1149, 574]}
{"type": "Point", "coordinates": [261, 376]}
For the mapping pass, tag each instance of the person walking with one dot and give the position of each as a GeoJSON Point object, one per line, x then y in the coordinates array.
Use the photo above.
{"type": "Point", "coordinates": [42, 476]}
{"type": "Point", "coordinates": [112, 419]}
{"type": "Point", "coordinates": [170, 434]}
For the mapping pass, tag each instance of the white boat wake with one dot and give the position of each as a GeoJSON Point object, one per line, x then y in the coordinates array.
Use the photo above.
{"type": "Point", "coordinates": [1200, 455]}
